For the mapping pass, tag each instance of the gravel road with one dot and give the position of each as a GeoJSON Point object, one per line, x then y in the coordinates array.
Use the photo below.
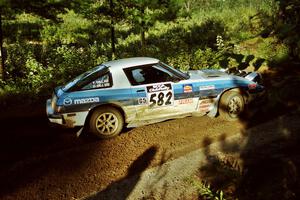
{"type": "Point", "coordinates": [40, 162]}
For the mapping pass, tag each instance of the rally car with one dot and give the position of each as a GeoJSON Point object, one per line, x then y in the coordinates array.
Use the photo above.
{"type": "Point", "coordinates": [136, 91]}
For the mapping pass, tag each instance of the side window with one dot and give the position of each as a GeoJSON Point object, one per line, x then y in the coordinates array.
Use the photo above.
{"type": "Point", "coordinates": [103, 81]}
{"type": "Point", "coordinates": [147, 75]}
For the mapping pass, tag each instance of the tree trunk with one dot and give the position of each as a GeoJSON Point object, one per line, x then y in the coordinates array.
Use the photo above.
{"type": "Point", "coordinates": [143, 40]}
{"type": "Point", "coordinates": [2, 68]}
{"type": "Point", "coordinates": [112, 30]}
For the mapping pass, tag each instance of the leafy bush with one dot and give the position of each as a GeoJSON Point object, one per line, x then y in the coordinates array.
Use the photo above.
{"type": "Point", "coordinates": [32, 68]}
{"type": "Point", "coordinates": [37, 75]}
{"type": "Point", "coordinates": [73, 29]}
{"type": "Point", "coordinates": [17, 54]}
{"type": "Point", "coordinates": [181, 61]}
{"type": "Point", "coordinates": [69, 61]}
{"type": "Point", "coordinates": [205, 59]}
{"type": "Point", "coordinates": [43, 52]}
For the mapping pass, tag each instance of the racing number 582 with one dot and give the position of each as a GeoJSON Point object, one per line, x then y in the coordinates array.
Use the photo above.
{"type": "Point", "coordinates": [161, 99]}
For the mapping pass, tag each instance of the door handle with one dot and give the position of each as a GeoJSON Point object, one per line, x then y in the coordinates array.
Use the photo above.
{"type": "Point", "coordinates": [140, 91]}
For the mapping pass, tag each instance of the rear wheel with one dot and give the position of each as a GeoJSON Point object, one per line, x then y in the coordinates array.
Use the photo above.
{"type": "Point", "coordinates": [106, 122]}
{"type": "Point", "coordinates": [231, 105]}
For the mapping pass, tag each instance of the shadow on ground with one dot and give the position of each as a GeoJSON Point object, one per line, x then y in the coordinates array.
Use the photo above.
{"type": "Point", "coordinates": [267, 164]}
{"type": "Point", "coordinates": [122, 188]}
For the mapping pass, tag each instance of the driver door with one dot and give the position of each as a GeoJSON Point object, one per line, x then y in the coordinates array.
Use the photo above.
{"type": "Point", "coordinates": [153, 91]}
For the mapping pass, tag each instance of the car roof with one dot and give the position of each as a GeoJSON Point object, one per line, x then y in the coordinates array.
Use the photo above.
{"type": "Point", "coordinates": [129, 62]}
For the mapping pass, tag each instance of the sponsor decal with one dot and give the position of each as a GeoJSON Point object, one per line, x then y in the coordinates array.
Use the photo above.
{"type": "Point", "coordinates": [160, 95]}
{"type": "Point", "coordinates": [67, 101]}
{"type": "Point", "coordinates": [204, 105]}
{"type": "Point", "coordinates": [100, 84]}
{"type": "Point", "coordinates": [87, 100]}
{"type": "Point", "coordinates": [186, 101]}
{"type": "Point", "coordinates": [207, 87]}
{"type": "Point", "coordinates": [159, 87]}
{"type": "Point", "coordinates": [188, 88]}
{"type": "Point", "coordinates": [142, 101]}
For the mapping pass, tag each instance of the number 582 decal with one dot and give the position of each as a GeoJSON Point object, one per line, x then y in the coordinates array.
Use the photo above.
{"type": "Point", "coordinates": [160, 95]}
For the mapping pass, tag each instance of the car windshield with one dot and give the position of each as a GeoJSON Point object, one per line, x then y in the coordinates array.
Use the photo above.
{"type": "Point", "coordinates": [84, 76]}
{"type": "Point", "coordinates": [175, 71]}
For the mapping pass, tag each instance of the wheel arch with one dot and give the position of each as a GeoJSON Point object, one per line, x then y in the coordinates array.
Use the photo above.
{"type": "Point", "coordinates": [114, 105]}
{"type": "Point", "coordinates": [240, 90]}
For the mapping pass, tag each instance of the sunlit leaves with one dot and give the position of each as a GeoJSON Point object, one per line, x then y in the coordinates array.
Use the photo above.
{"type": "Point", "coordinates": [71, 29]}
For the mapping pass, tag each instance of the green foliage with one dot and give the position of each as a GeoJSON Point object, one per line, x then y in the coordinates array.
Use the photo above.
{"type": "Point", "coordinates": [181, 61]}
{"type": "Point", "coordinates": [73, 29]}
{"type": "Point", "coordinates": [17, 55]}
{"type": "Point", "coordinates": [206, 59]}
{"type": "Point", "coordinates": [37, 75]}
{"type": "Point", "coordinates": [24, 27]}
{"type": "Point", "coordinates": [37, 69]}
{"type": "Point", "coordinates": [23, 69]}
{"type": "Point", "coordinates": [206, 192]}
{"type": "Point", "coordinates": [49, 42]}
{"type": "Point", "coordinates": [272, 50]}
{"type": "Point", "coordinates": [68, 62]}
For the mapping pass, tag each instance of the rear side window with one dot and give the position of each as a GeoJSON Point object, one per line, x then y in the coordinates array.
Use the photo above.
{"type": "Point", "coordinates": [103, 81]}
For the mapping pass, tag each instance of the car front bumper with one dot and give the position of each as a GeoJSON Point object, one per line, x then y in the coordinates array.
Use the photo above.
{"type": "Point", "coordinates": [66, 119]}
{"type": "Point", "coordinates": [53, 118]}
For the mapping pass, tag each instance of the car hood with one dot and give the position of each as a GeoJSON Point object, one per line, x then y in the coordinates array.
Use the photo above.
{"type": "Point", "coordinates": [205, 74]}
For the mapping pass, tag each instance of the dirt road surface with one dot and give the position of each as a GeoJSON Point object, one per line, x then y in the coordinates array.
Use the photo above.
{"type": "Point", "coordinates": [40, 162]}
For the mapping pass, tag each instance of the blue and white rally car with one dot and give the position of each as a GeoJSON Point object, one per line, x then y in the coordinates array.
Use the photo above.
{"type": "Point", "coordinates": [137, 91]}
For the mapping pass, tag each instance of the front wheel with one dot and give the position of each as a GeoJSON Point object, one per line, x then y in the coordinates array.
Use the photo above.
{"type": "Point", "coordinates": [231, 105]}
{"type": "Point", "coordinates": [106, 122]}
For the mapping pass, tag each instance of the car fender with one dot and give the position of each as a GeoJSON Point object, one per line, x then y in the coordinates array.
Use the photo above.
{"type": "Point", "coordinates": [215, 110]}
{"type": "Point", "coordinates": [112, 104]}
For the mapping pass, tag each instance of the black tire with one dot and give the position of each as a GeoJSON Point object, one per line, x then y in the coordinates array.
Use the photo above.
{"type": "Point", "coordinates": [106, 122]}
{"type": "Point", "coordinates": [231, 105]}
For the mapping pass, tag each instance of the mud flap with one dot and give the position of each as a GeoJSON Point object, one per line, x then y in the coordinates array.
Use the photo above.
{"type": "Point", "coordinates": [213, 113]}
{"type": "Point", "coordinates": [79, 132]}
